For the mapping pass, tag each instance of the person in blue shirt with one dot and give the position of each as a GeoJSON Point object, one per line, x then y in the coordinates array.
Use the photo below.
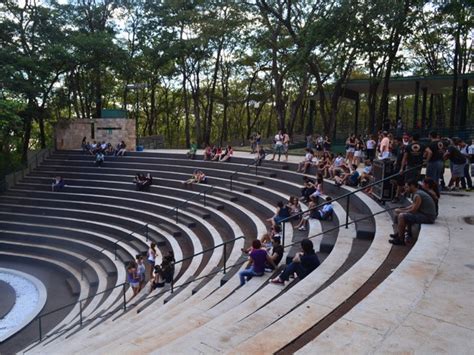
{"type": "Point", "coordinates": [324, 213]}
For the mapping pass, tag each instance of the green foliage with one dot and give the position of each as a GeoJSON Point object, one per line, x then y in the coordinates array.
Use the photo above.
{"type": "Point", "coordinates": [214, 71]}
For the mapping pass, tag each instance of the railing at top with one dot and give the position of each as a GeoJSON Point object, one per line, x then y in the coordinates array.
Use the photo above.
{"type": "Point", "coordinates": [231, 177]}
{"type": "Point", "coordinates": [32, 163]}
{"type": "Point", "coordinates": [347, 197]}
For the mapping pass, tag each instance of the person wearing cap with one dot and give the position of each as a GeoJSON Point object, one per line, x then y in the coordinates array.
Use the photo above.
{"type": "Point", "coordinates": [303, 263]}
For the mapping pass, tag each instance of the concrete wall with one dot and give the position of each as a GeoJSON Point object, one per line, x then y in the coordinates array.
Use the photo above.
{"type": "Point", "coordinates": [69, 134]}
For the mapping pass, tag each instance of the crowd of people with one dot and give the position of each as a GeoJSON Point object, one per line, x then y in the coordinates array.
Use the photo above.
{"type": "Point", "coordinates": [157, 274]}
{"type": "Point", "coordinates": [103, 147]}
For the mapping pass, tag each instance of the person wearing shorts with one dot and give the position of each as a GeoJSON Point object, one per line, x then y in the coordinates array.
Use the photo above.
{"type": "Point", "coordinates": [458, 161]}
{"type": "Point", "coordinates": [421, 211]}
{"type": "Point", "coordinates": [279, 148]}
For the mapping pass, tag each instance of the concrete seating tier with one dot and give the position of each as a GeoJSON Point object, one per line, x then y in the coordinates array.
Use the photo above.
{"type": "Point", "coordinates": [228, 298]}
{"type": "Point", "coordinates": [52, 274]}
{"type": "Point", "coordinates": [214, 306]}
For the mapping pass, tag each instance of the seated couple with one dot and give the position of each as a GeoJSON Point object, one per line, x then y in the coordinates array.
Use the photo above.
{"type": "Point", "coordinates": [198, 177]}
{"type": "Point", "coordinates": [260, 260]}
{"type": "Point", "coordinates": [322, 214]}
{"type": "Point", "coordinates": [143, 182]}
{"type": "Point", "coordinates": [302, 264]}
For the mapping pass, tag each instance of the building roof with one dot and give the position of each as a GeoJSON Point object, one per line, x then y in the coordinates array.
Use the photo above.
{"type": "Point", "coordinates": [407, 84]}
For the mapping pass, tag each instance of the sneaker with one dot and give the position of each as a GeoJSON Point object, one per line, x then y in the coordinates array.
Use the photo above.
{"type": "Point", "coordinates": [277, 281]}
{"type": "Point", "coordinates": [396, 242]}
{"type": "Point", "coordinates": [302, 229]}
{"type": "Point", "coordinates": [394, 236]}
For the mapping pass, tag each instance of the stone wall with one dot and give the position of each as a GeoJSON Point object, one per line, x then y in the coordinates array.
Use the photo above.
{"type": "Point", "coordinates": [69, 134]}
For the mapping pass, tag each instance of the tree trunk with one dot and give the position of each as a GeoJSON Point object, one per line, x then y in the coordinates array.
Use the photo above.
{"type": "Point", "coordinates": [452, 117]}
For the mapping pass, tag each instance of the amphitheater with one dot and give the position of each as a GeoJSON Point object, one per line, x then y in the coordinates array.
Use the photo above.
{"type": "Point", "coordinates": [366, 297]}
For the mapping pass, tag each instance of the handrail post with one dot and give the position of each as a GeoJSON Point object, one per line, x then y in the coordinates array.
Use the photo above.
{"type": "Point", "coordinates": [146, 232]}
{"type": "Point", "coordinates": [256, 169]}
{"type": "Point", "coordinates": [124, 298]}
{"type": "Point", "coordinates": [283, 234]}
{"type": "Point", "coordinates": [205, 198]}
{"type": "Point", "coordinates": [82, 271]}
{"type": "Point", "coordinates": [177, 215]}
{"type": "Point", "coordinates": [347, 211]}
{"type": "Point", "coordinates": [40, 329]}
{"type": "Point", "coordinates": [231, 182]}
{"type": "Point", "coordinates": [115, 250]}
{"type": "Point", "coordinates": [80, 313]}
{"type": "Point", "coordinates": [225, 257]}
{"type": "Point", "coordinates": [172, 285]}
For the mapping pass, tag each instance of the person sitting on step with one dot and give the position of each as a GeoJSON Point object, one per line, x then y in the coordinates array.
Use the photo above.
{"type": "Point", "coordinates": [325, 213]}
{"type": "Point", "coordinates": [301, 226]}
{"type": "Point", "coordinates": [207, 155]}
{"type": "Point", "coordinates": [58, 184]}
{"type": "Point", "coordinates": [261, 154]}
{"type": "Point", "coordinates": [421, 211]}
{"type": "Point", "coordinates": [307, 162]}
{"type": "Point", "coordinates": [198, 177]}
{"type": "Point", "coordinates": [256, 264]}
{"type": "Point", "coordinates": [282, 212]}
{"type": "Point", "coordinates": [99, 159]}
{"type": "Point", "coordinates": [192, 151]}
{"type": "Point", "coordinates": [226, 154]}
{"type": "Point", "coordinates": [302, 264]}
{"type": "Point", "coordinates": [121, 149]}
{"type": "Point", "coordinates": [276, 253]}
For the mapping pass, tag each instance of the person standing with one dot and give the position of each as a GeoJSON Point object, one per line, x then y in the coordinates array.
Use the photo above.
{"type": "Point", "coordinates": [412, 159]}
{"type": "Point", "coordinates": [458, 161]}
{"type": "Point", "coordinates": [385, 146]}
{"type": "Point", "coordinates": [278, 148]}
{"type": "Point", "coordinates": [370, 148]}
{"type": "Point", "coordinates": [434, 156]}
{"type": "Point", "coordinates": [466, 181]}
{"type": "Point", "coordinates": [286, 144]}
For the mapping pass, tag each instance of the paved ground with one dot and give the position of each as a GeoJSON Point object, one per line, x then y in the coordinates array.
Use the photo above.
{"type": "Point", "coordinates": [445, 314]}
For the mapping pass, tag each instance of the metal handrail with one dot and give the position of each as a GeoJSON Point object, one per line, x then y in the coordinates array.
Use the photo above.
{"type": "Point", "coordinates": [239, 263]}
{"type": "Point", "coordinates": [81, 320]}
{"type": "Point", "coordinates": [206, 251]}
{"type": "Point", "coordinates": [115, 247]}
{"type": "Point", "coordinates": [347, 196]}
{"type": "Point", "coordinates": [183, 203]}
{"type": "Point", "coordinates": [231, 177]}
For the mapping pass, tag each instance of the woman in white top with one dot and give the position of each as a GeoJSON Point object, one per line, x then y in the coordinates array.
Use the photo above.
{"type": "Point", "coordinates": [370, 148]}
{"type": "Point", "coordinates": [306, 163]}
{"type": "Point", "coordinates": [151, 257]}
{"type": "Point", "coordinates": [279, 148]}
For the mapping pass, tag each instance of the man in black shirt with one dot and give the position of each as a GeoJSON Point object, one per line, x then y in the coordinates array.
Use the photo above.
{"type": "Point", "coordinates": [412, 159]}
{"type": "Point", "coordinates": [434, 157]}
{"type": "Point", "coordinates": [277, 252]}
{"type": "Point", "coordinates": [458, 161]}
{"type": "Point", "coordinates": [303, 263]}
